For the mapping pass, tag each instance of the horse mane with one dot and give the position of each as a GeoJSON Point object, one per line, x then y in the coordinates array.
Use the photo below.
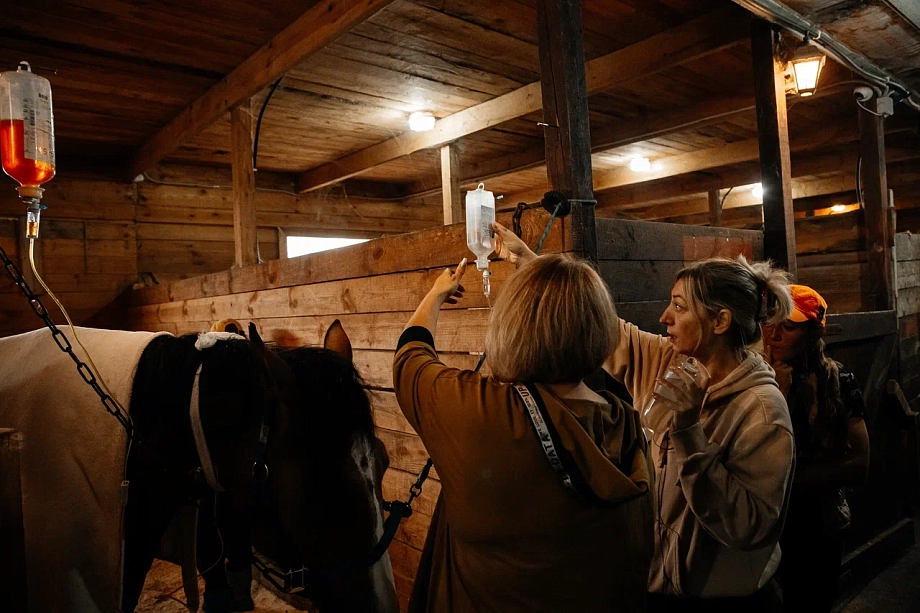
{"type": "Point", "coordinates": [163, 386]}
{"type": "Point", "coordinates": [333, 403]}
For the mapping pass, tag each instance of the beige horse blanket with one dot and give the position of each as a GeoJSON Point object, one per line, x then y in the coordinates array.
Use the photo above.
{"type": "Point", "coordinates": [73, 464]}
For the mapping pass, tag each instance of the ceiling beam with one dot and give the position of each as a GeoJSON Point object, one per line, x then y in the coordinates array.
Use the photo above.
{"type": "Point", "coordinates": [690, 41]}
{"type": "Point", "coordinates": [807, 194]}
{"type": "Point", "coordinates": [908, 9]}
{"type": "Point", "coordinates": [623, 132]}
{"type": "Point", "coordinates": [715, 157]}
{"type": "Point", "coordinates": [318, 27]}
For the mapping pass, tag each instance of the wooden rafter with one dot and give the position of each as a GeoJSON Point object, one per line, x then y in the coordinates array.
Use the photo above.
{"type": "Point", "coordinates": [714, 157]}
{"type": "Point", "coordinates": [319, 26]}
{"type": "Point", "coordinates": [692, 40]}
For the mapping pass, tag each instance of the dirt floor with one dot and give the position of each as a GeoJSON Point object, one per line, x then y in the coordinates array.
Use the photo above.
{"type": "Point", "coordinates": [162, 593]}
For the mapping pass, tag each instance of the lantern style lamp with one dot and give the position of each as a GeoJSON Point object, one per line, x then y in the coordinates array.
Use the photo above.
{"type": "Point", "coordinates": [806, 68]}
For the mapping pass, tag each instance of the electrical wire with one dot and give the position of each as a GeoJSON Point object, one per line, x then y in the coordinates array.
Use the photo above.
{"type": "Point", "coordinates": [255, 142]}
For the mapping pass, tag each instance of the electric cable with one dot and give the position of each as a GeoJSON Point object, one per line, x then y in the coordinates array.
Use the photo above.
{"type": "Point", "coordinates": [255, 141]}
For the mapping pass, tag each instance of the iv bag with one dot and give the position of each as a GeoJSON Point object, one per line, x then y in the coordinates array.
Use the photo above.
{"type": "Point", "coordinates": [480, 213]}
{"type": "Point", "coordinates": [26, 127]}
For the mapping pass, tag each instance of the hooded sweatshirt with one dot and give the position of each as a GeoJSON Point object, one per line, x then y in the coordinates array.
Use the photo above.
{"type": "Point", "coordinates": [723, 484]}
{"type": "Point", "coordinates": [511, 536]}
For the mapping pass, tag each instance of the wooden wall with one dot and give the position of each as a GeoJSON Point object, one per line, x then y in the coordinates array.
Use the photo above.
{"type": "Point", "coordinates": [100, 237]}
{"type": "Point", "coordinates": [639, 260]}
{"type": "Point", "coordinates": [907, 274]}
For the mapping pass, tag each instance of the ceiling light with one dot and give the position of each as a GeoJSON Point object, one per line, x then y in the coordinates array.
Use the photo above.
{"type": "Point", "coordinates": [806, 68]}
{"type": "Point", "coordinates": [421, 121]}
{"type": "Point", "coordinates": [838, 208]}
{"type": "Point", "coordinates": [757, 190]}
{"type": "Point", "coordinates": [640, 165]}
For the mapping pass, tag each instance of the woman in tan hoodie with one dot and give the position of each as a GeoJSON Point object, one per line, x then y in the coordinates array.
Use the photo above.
{"type": "Point", "coordinates": [723, 447]}
{"type": "Point", "coordinates": [546, 502]}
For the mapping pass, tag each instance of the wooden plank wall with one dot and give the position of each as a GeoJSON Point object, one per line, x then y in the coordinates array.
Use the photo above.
{"type": "Point", "coordinates": [832, 259]}
{"type": "Point", "coordinates": [907, 275]}
{"type": "Point", "coordinates": [100, 237]}
{"type": "Point", "coordinates": [639, 260]}
{"type": "Point", "coordinates": [372, 288]}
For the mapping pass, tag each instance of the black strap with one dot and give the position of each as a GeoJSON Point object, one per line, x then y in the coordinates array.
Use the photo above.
{"type": "Point", "coordinates": [559, 457]}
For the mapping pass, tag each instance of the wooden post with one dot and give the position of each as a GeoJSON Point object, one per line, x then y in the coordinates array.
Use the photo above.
{"type": "Point", "coordinates": [715, 208]}
{"type": "Point", "coordinates": [13, 584]}
{"type": "Point", "coordinates": [565, 111]}
{"type": "Point", "coordinates": [773, 134]}
{"type": "Point", "coordinates": [879, 238]}
{"type": "Point", "coordinates": [245, 234]}
{"type": "Point", "coordinates": [450, 184]}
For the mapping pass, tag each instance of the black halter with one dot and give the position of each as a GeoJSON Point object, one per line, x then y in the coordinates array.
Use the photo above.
{"type": "Point", "coordinates": [306, 579]}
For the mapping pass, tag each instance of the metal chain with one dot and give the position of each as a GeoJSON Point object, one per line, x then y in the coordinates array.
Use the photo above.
{"type": "Point", "coordinates": [35, 302]}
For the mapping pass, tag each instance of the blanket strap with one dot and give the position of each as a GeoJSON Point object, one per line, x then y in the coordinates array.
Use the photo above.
{"type": "Point", "coordinates": [200, 443]}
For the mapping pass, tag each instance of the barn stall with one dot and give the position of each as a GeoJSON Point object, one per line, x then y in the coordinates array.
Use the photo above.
{"type": "Point", "coordinates": [674, 112]}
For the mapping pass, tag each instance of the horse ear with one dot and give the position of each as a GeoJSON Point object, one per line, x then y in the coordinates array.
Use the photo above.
{"type": "Point", "coordinates": [254, 337]}
{"type": "Point", "coordinates": [337, 341]}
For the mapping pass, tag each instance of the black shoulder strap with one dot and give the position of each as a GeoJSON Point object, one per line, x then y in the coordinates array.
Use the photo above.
{"type": "Point", "coordinates": [559, 457]}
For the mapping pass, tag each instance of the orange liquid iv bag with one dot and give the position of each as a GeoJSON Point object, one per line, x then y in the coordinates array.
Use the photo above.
{"type": "Point", "coordinates": [27, 136]}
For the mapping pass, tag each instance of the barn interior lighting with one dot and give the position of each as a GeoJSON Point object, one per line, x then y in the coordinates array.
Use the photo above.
{"type": "Point", "coordinates": [757, 190]}
{"type": "Point", "coordinates": [640, 165]}
{"type": "Point", "coordinates": [838, 208]}
{"type": "Point", "coordinates": [421, 121]}
{"type": "Point", "coordinates": [806, 68]}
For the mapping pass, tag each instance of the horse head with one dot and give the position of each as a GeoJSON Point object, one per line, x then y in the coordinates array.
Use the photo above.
{"type": "Point", "coordinates": [326, 467]}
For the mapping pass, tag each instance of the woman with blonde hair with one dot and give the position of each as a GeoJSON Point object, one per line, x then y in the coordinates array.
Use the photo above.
{"type": "Point", "coordinates": [545, 485]}
{"type": "Point", "coordinates": [721, 434]}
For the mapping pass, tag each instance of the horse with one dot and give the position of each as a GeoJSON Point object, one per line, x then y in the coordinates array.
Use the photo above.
{"type": "Point", "coordinates": [318, 506]}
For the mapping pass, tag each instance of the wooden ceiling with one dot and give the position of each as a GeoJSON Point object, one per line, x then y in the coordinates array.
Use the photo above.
{"type": "Point", "coordinates": [669, 80]}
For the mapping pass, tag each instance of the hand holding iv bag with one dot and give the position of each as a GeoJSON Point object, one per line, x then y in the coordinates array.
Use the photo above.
{"type": "Point", "coordinates": [480, 213]}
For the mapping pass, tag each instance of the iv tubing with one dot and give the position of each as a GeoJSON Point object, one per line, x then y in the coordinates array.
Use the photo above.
{"type": "Point", "coordinates": [73, 330]}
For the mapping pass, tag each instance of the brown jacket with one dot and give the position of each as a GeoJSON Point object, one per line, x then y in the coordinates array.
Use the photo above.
{"type": "Point", "coordinates": [512, 537]}
{"type": "Point", "coordinates": [723, 484]}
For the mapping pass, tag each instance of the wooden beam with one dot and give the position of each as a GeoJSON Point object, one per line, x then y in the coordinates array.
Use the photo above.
{"type": "Point", "coordinates": [323, 22]}
{"type": "Point", "coordinates": [714, 199]}
{"type": "Point", "coordinates": [641, 195]}
{"type": "Point", "coordinates": [567, 132]}
{"type": "Point", "coordinates": [690, 41]}
{"type": "Point", "coordinates": [775, 162]}
{"type": "Point", "coordinates": [245, 236]}
{"type": "Point", "coordinates": [909, 10]}
{"type": "Point", "coordinates": [450, 184]}
{"type": "Point", "coordinates": [879, 239]}
{"type": "Point", "coordinates": [632, 130]}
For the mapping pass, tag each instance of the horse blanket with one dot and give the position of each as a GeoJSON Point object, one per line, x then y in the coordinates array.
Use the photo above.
{"type": "Point", "coordinates": [73, 464]}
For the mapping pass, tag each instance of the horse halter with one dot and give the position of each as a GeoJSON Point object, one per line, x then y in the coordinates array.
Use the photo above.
{"type": "Point", "coordinates": [304, 579]}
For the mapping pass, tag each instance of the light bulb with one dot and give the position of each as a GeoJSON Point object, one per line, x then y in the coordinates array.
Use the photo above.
{"type": "Point", "coordinates": [838, 208]}
{"type": "Point", "coordinates": [757, 190]}
{"type": "Point", "coordinates": [640, 165]}
{"type": "Point", "coordinates": [421, 121]}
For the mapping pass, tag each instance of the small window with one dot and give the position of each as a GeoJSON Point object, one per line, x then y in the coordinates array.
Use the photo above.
{"type": "Point", "coordinates": [302, 245]}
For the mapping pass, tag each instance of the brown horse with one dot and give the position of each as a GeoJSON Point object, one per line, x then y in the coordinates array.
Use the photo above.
{"type": "Point", "coordinates": [315, 507]}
